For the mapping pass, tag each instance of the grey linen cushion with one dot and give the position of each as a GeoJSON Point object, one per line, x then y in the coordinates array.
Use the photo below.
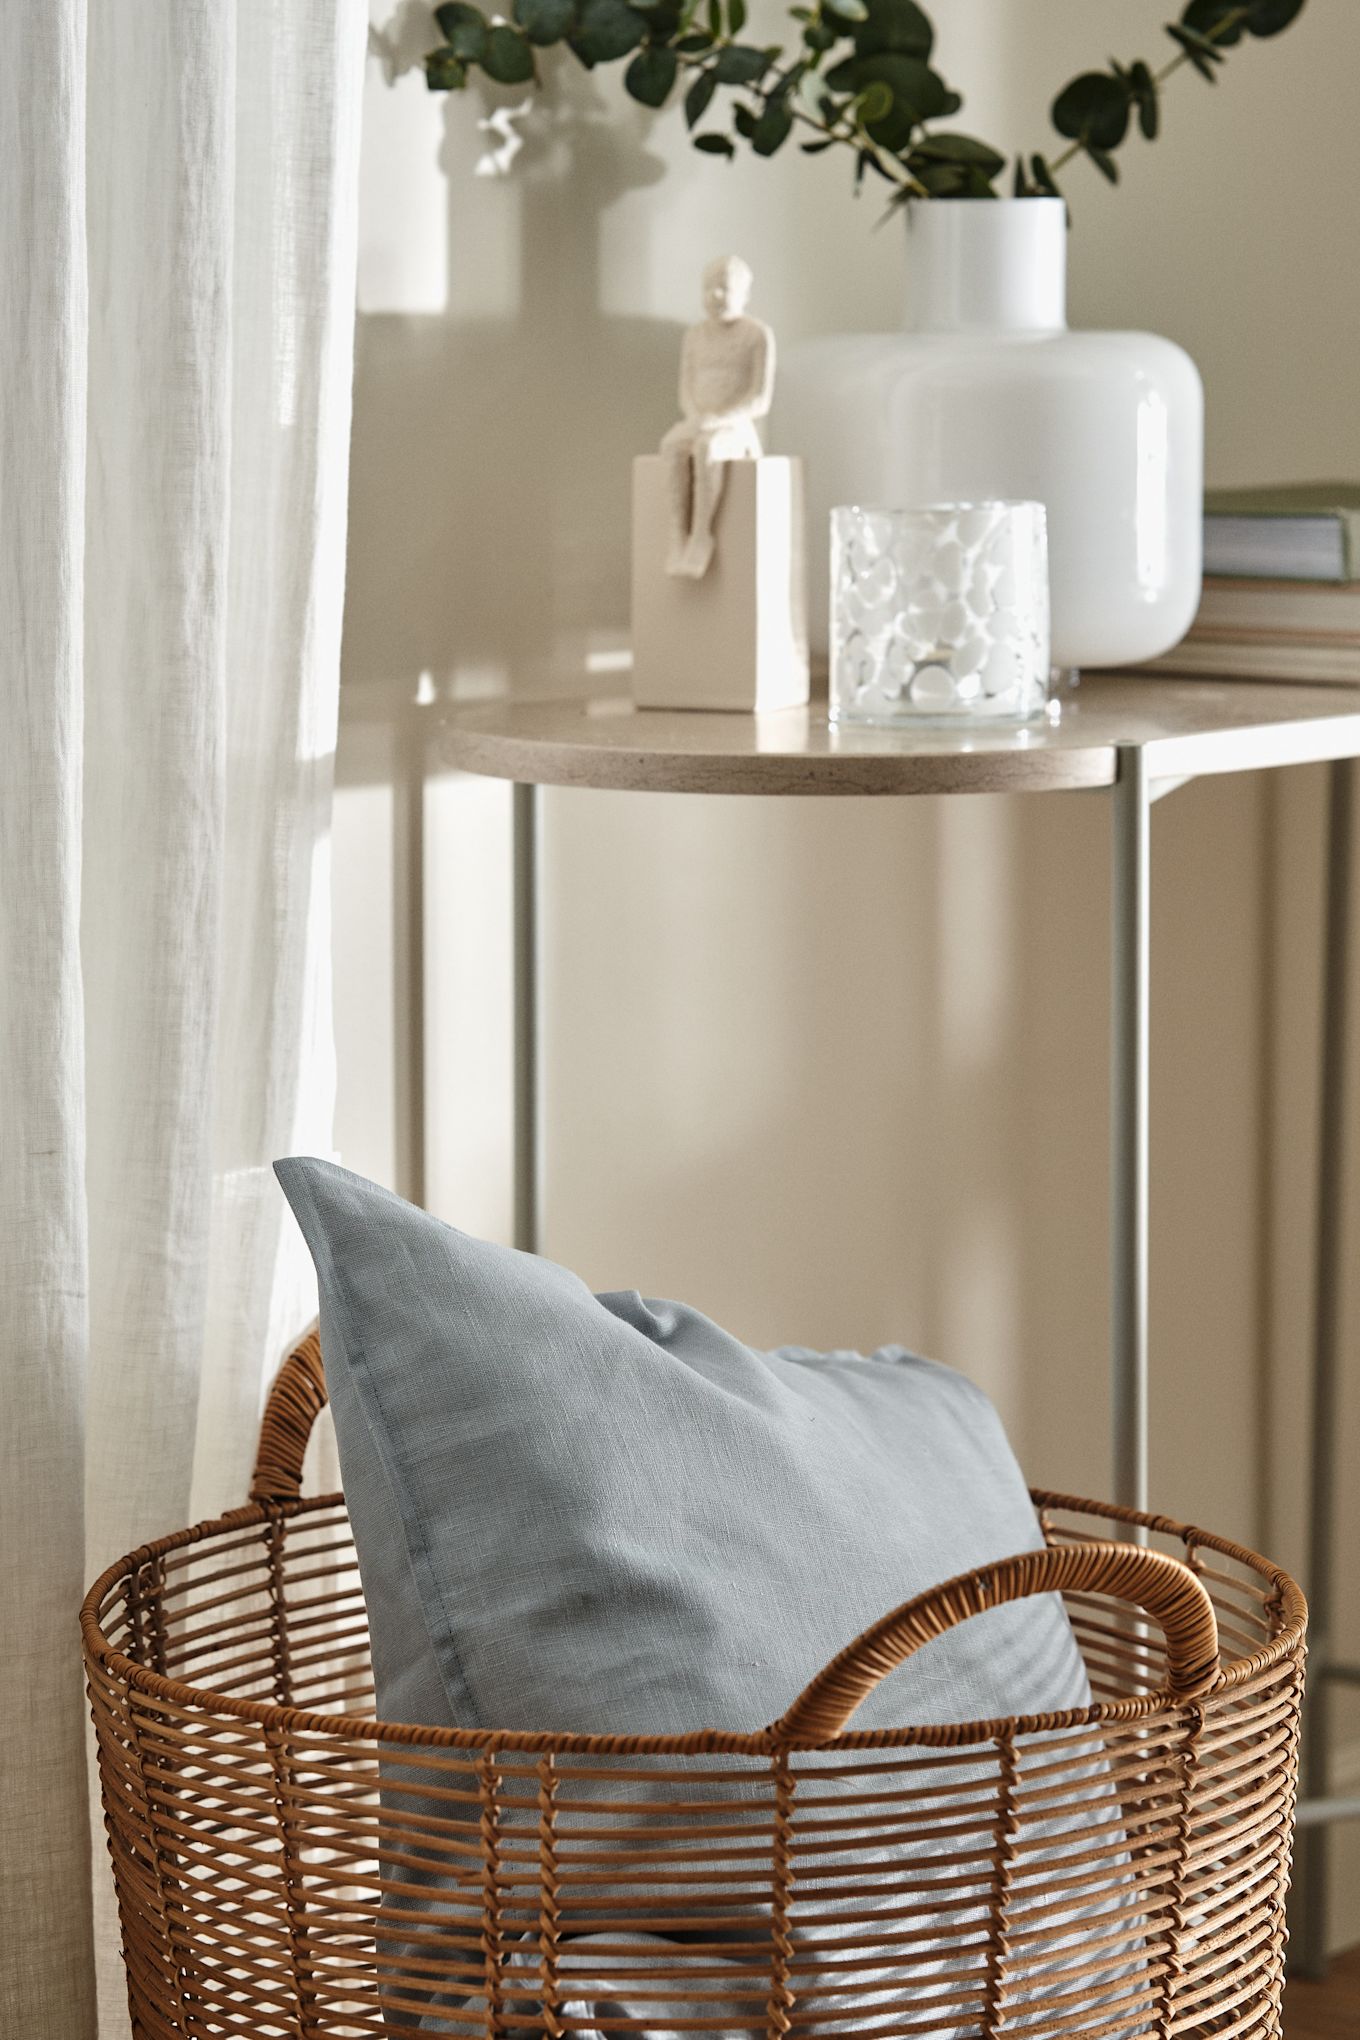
{"type": "Point", "coordinates": [605, 1514]}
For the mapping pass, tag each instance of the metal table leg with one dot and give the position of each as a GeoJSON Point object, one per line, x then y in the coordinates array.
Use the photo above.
{"type": "Point", "coordinates": [528, 1231]}
{"type": "Point", "coordinates": [1132, 814]}
{"type": "Point", "coordinates": [1310, 1936]}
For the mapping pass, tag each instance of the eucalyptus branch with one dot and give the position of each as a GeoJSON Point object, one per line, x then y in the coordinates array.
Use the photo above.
{"type": "Point", "coordinates": [861, 79]}
{"type": "Point", "coordinates": [1095, 110]}
{"type": "Point", "coordinates": [1235, 19]}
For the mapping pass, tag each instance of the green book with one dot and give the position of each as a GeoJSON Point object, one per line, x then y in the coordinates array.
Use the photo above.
{"type": "Point", "coordinates": [1293, 531]}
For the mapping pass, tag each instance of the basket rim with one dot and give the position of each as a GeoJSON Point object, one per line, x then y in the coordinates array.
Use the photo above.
{"type": "Point", "coordinates": [1288, 1604]}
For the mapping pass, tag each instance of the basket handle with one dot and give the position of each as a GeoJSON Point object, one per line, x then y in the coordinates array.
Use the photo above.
{"type": "Point", "coordinates": [1162, 1587]}
{"type": "Point", "coordinates": [296, 1400]}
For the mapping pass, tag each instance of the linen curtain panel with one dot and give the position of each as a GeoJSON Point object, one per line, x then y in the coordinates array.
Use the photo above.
{"type": "Point", "coordinates": [178, 183]}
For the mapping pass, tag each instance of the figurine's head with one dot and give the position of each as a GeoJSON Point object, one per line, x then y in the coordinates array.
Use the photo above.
{"type": "Point", "coordinates": [727, 287]}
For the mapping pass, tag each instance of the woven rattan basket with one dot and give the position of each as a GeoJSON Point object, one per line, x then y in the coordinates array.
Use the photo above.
{"type": "Point", "coordinates": [287, 1865]}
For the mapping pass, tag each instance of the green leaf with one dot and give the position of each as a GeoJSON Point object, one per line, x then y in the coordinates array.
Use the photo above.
{"type": "Point", "coordinates": [918, 94]}
{"type": "Point", "coordinates": [690, 45]}
{"type": "Point", "coordinates": [1201, 53]}
{"type": "Point", "coordinates": [715, 20]}
{"type": "Point", "coordinates": [1144, 88]}
{"type": "Point", "coordinates": [819, 37]}
{"type": "Point", "coordinates": [736, 16]}
{"type": "Point", "coordinates": [744, 121]}
{"type": "Point", "coordinates": [817, 148]}
{"type": "Point", "coordinates": [650, 76]}
{"type": "Point", "coordinates": [1225, 22]}
{"type": "Point", "coordinates": [507, 57]}
{"type": "Point", "coordinates": [1020, 184]}
{"type": "Point", "coordinates": [952, 180]}
{"type": "Point", "coordinates": [1220, 19]}
{"type": "Point", "coordinates": [465, 29]}
{"type": "Point", "coordinates": [912, 83]}
{"type": "Point", "coordinates": [1268, 17]}
{"type": "Point", "coordinates": [1043, 177]}
{"type": "Point", "coordinates": [698, 97]}
{"type": "Point", "coordinates": [960, 149]}
{"type": "Point", "coordinates": [847, 12]}
{"type": "Point", "coordinates": [875, 102]}
{"type": "Point", "coordinates": [546, 21]}
{"type": "Point", "coordinates": [1104, 162]}
{"type": "Point", "coordinates": [740, 64]}
{"type": "Point", "coordinates": [715, 145]}
{"type": "Point", "coordinates": [608, 30]}
{"type": "Point", "coordinates": [1093, 108]}
{"type": "Point", "coordinates": [445, 71]}
{"type": "Point", "coordinates": [897, 25]}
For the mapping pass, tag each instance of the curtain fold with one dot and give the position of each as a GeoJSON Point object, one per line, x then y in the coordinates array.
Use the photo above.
{"type": "Point", "coordinates": [175, 359]}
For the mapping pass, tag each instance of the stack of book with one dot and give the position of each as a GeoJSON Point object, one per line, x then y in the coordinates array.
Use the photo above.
{"type": "Point", "coordinates": [1282, 587]}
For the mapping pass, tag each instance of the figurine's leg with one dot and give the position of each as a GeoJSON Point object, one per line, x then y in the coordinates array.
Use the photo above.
{"type": "Point", "coordinates": [709, 476]}
{"type": "Point", "coordinates": [679, 461]}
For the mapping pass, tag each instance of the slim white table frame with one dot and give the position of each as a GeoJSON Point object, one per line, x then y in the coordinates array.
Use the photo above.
{"type": "Point", "coordinates": [1141, 739]}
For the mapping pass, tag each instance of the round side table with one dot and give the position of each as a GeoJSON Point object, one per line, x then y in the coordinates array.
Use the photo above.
{"type": "Point", "coordinates": [1138, 738]}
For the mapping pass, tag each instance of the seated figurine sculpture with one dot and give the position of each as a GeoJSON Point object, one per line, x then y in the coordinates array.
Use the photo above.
{"type": "Point", "coordinates": [726, 384]}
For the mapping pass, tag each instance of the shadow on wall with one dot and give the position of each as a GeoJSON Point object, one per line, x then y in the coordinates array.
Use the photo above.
{"type": "Point", "coordinates": [492, 444]}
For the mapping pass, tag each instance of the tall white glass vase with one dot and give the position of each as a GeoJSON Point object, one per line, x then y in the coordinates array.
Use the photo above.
{"type": "Point", "coordinates": [987, 395]}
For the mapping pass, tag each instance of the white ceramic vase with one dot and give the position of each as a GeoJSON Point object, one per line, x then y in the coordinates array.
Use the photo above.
{"type": "Point", "coordinates": [987, 395]}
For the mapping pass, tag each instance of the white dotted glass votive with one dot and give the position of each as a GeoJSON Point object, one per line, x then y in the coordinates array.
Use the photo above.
{"type": "Point", "coordinates": [939, 615]}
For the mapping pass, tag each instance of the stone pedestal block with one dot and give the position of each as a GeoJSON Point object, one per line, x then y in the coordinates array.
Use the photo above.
{"type": "Point", "coordinates": [737, 638]}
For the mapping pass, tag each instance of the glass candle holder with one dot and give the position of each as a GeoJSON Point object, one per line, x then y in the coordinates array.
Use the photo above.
{"type": "Point", "coordinates": [939, 615]}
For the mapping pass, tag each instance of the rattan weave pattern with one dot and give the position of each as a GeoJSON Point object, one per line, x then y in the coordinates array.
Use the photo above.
{"type": "Point", "coordinates": [985, 1878]}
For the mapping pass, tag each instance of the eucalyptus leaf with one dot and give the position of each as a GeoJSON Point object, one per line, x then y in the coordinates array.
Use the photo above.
{"type": "Point", "coordinates": [650, 76]}
{"type": "Point", "coordinates": [847, 13]}
{"type": "Point", "coordinates": [1103, 161]}
{"type": "Point", "coordinates": [445, 72]}
{"type": "Point", "coordinates": [1198, 49]}
{"type": "Point", "coordinates": [546, 21]}
{"type": "Point", "coordinates": [960, 149]}
{"type": "Point", "coordinates": [913, 84]}
{"type": "Point", "coordinates": [715, 145]}
{"type": "Point", "coordinates": [1222, 21]}
{"type": "Point", "coordinates": [690, 45]}
{"type": "Point", "coordinates": [464, 29]}
{"type": "Point", "coordinates": [736, 16]}
{"type": "Point", "coordinates": [875, 102]}
{"type": "Point", "coordinates": [698, 97]}
{"type": "Point", "coordinates": [897, 25]}
{"type": "Point", "coordinates": [1145, 94]}
{"type": "Point", "coordinates": [818, 148]}
{"type": "Point", "coordinates": [1043, 177]}
{"type": "Point", "coordinates": [918, 94]}
{"type": "Point", "coordinates": [606, 31]}
{"type": "Point", "coordinates": [1093, 108]}
{"type": "Point", "coordinates": [740, 64]}
{"type": "Point", "coordinates": [507, 57]}
{"type": "Point", "coordinates": [773, 128]}
{"type": "Point", "coordinates": [1268, 17]}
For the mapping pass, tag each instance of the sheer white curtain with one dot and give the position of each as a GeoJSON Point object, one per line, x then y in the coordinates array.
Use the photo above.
{"type": "Point", "coordinates": [177, 227]}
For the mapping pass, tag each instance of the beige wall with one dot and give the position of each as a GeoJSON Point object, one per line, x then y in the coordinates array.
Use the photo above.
{"type": "Point", "coordinates": [835, 1072]}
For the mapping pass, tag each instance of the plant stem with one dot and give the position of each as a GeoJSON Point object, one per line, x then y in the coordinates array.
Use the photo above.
{"type": "Point", "coordinates": [1159, 78]}
{"type": "Point", "coordinates": [895, 171]}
